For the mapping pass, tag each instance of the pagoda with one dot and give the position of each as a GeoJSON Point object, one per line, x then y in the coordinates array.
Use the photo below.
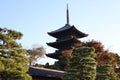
{"type": "Point", "coordinates": [66, 40]}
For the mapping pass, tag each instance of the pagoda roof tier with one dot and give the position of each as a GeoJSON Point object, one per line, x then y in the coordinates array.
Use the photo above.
{"type": "Point", "coordinates": [66, 43]}
{"type": "Point", "coordinates": [67, 30]}
{"type": "Point", "coordinates": [55, 55]}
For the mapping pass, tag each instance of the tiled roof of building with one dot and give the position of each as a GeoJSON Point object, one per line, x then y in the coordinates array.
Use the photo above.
{"type": "Point", "coordinates": [67, 30]}
{"type": "Point", "coordinates": [61, 44]}
{"type": "Point", "coordinates": [55, 55]}
{"type": "Point", "coordinates": [62, 29]}
{"type": "Point", "coordinates": [38, 71]}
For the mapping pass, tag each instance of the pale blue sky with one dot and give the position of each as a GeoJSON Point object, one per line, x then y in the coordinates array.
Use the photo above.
{"type": "Point", "coordinates": [34, 18]}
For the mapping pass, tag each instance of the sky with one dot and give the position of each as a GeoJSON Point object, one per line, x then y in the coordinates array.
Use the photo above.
{"type": "Point", "coordinates": [34, 18]}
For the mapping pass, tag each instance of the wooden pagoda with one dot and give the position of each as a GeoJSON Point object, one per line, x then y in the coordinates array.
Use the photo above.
{"type": "Point", "coordinates": [66, 40]}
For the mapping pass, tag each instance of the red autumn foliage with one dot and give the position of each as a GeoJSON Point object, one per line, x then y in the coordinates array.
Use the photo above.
{"type": "Point", "coordinates": [99, 47]}
{"type": "Point", "coordinates": [106, 58]}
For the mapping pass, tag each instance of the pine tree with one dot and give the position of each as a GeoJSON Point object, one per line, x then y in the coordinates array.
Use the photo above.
{"type": "Point", "coordinates": [62, 64]}
{"type": "Point", "coordinates": [82, 65]}
{"type": "Point", "coordinates": [106, 72]}
{"type": "Point", "coordinates": [117, 69]}
{"type": "Point", "coordinates": [12, 56]}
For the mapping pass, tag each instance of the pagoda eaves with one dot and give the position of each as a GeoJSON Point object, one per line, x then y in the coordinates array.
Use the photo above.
{"type": "Point", "coordinates": [62, 44]}
{"type": "Point", "coordinates": [55, 55]}
{"type": "Point", "coordinates": [67, 30]}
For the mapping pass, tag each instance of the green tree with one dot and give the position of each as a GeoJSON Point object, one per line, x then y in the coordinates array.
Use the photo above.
{"type": "Point", "coordinates": [34, 54]}
{"type": "Point", "coordinates": [106, 72]}
{"type": "Point", "coordinates": [62, 64]}
{"type": "Point", "coordinates": [82, 65]}
{"type": "Point", "coordinates": [117, 69]}
{"type": "Point", "coordinates": [118, 60]}
{"type": "Point", "coordinates": [13, 62]}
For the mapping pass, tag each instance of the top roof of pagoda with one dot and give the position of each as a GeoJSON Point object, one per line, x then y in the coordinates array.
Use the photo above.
{"type": "Point", "coordinates": [67, 26]}
{"type": "Point", "coordinates": [66, 30]}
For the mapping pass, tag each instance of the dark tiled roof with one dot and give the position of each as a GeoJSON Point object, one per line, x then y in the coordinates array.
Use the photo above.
{"type": "Point", "coordinates": [61, 44]}
{"type": "Point", "coordinates": [62, 29]}
{"type": "Point", "coordinates": [67, 29]}
{"type": "Point", "coordinates": [55, 55]}
{"type": "Point", "coordinates": [36, 71]}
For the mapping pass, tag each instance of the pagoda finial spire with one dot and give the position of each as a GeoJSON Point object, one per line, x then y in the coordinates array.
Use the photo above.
{"type": "Point", "coordinates": [67, 15]}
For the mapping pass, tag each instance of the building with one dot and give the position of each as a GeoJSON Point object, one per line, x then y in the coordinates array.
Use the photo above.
{"type": "Point", "coordinates": [66, 40]}
{"type": "Point", "coordinates": [39, 73]}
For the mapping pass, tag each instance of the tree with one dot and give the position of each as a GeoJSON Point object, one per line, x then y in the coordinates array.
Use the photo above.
{"type": "Point", "coordinates": [118, 60]}
{"type": "Point", "coordinates": [13, 62]}
{"type": "Point", "coordinates": [117, 69]}
{"type": "Point", "coordinates": [106, 57]}
{"type": "Point", "coordinates": [35, 53]}
{"type": "Point", "coordinates": [62, 64]}
{"type": "Point", "coordinates": [106, 72]}
{"type": "Point", "coordinates": [99, 47]}
{"type": "Point", "coordinates": [82, 65]}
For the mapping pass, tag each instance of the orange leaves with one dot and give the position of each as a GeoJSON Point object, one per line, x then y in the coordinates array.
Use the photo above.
{"type": "Point", "coordinates": [106, 58]}
{"type": "Point", "coordinates": [99, 47]}
{"type": "Point", "coordinates": [67, 53]}
{"type": "Point", "coordinates": [103, 56]}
